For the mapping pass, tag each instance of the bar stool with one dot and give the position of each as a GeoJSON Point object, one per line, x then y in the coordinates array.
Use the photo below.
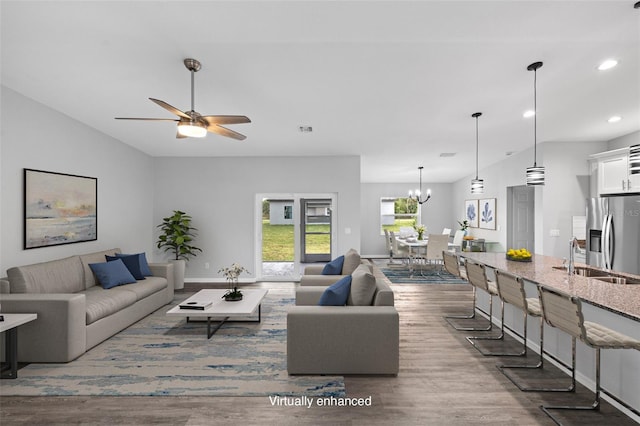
{"type": "Point", "coordinates": [452, 266]}
{"type": "Point", "coordinates": [511, 289]}
{"type": "Point", "coordinates": [565, 313]}
{"type": "Point", "coordinates": [476, 272]}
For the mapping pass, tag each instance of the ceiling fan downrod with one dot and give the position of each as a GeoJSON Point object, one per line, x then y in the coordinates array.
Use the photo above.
{"type": "Point", "coordinates": [194, 66]}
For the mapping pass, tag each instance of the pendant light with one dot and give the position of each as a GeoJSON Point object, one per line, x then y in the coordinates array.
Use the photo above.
{"type": "Point", "coordinates": [535, 174]}
{"type": "Point", "coordinates": [477, 185]}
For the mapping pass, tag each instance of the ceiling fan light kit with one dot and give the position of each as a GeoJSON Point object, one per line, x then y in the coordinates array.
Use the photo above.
{"type": "Point", "coordinates": [192, 129]}
{"type": "Point", "coordinates": [192, 124]}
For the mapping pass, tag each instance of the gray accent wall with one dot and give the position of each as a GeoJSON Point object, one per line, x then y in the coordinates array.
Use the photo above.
{"type": "Point", "coordinates": [38, 137]}
{"type": "Point", "coordinates": [219, 193]}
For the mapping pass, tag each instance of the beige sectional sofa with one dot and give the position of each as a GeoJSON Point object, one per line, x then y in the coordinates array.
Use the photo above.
{"type": "Point", "coordinates": [344, 339]}
{"type": "Point", "coordinates": [74, 312]}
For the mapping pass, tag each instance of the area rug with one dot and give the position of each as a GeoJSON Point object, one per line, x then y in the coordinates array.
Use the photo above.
{"type": "Point", "coordinates": [162, 355]}
{"type": "Point", "coordinates": [426, 276]}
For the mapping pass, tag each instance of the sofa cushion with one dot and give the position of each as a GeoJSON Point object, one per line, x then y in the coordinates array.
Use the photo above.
{"type": "Point", "coordinates": [147, 287]}
{"type": "Point", "coordinates": [101, 303]}
{"type": "Point", "coordinates": [56, 276]}
{"type": "Point", "coordinates": [132, 263]}
{"type": "Point", "coordinates": [334, 267]}
{"type": "Point", "coordinates": [144, 265]}
{"type": "Point", "coordinates": [351, 262]}
{"type": "Point", "coordinates": [363, 287]}
{"type": "Point", "coordinates": [112, 274]}
{"type": "Point", "coordinates": [336, 294]}
{"type": "Point", "coordinates": [97, 257]}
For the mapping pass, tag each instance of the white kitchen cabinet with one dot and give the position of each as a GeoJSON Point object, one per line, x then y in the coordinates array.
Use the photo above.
{"type": "Point", "coordinates": [613, 173]}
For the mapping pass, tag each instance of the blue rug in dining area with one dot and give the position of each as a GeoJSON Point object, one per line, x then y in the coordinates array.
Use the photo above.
{"type": "Point", "coordinates": [431, 275]}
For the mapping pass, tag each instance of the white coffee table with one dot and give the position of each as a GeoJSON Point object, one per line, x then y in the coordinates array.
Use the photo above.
{"type": "Point", "coordinates": [10, 325]}
{"type": "Point", "coordinates": [249, 305]}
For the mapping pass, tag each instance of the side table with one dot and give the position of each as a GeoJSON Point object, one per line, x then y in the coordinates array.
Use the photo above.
{"type": "Point", "coordinates": [10, 325]}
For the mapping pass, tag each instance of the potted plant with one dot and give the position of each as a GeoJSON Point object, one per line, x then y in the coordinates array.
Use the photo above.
{"type": "Point", "coordinates": [464, 225]}
{"type": "Point", "coordinates": [176, 237]}
{"type": "Point", "coordinates": [232, 273]}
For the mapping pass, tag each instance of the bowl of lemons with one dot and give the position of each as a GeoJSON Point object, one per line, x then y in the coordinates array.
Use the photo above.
{"type": "Point", "coordinates": [519, 255]}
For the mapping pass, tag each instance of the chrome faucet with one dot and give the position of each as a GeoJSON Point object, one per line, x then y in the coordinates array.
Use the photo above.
{"type": "Point", "coordinates": [573, 244]}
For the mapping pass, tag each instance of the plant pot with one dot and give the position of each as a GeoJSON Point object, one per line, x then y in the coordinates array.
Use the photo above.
{"type": "Point", "coordinates": [233, 297]}
{"type": "Point", "coordinates": [178, 273]}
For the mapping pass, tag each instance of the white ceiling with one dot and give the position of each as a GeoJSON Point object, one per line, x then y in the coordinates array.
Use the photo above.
{"type": "Point", "coordinates": [391, 81]}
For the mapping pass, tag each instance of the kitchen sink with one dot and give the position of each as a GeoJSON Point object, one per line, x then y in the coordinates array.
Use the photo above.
{"type": "Point", "coordinates": [618, 280]}
{"type": "Point", "coordinates": [599, 275]}
{"type": "Point", "coordinates": [584, 272]}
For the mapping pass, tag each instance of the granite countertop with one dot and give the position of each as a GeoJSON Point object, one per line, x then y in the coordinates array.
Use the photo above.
{"type": "Point", "coordinates": [623, 299]}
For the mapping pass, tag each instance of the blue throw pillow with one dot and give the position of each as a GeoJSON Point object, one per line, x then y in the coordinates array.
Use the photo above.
{"type": "Point", "coordinates": [132, 262]}
{"type": "Point", "coordinates": [111, 274]}
{"type": "Point", "coordinates": [144, 265]}
{"type": "Point", "coordinates": [334, 267]}
{"type": "Point", "coordinates": [337, 294]}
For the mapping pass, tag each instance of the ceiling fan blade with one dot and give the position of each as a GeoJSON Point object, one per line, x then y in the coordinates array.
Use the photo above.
{"type": "Point", "coordinates": [225, 119]}
{"type": "Point", "coordinates": [214, 128]}
{"type": "Point", "coordinates": [146, 119]}
{"type": "Point", "coordinates": [170, 108]}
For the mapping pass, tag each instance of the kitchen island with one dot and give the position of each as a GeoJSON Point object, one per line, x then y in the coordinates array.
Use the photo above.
{"type": "Point", "coordinates": [621, 299]}
{"type": "Point", "coordinates": [616, 306]}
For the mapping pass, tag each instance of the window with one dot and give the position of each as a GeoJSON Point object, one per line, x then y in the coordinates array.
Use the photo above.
{"type": "Point", "coordinates": [288, 212]}
{"type": "Point", "coordinates": [396, 213]}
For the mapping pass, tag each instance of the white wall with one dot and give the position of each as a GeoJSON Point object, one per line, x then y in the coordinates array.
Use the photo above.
{"type": "Point", "coordinates": [35, 136]}
{"type": "Point", "coordinates": [436, 213]}
{"type": "Point", "coordinates": [563, 195]}
{"type": "Point", "coordinates": [219, 193]}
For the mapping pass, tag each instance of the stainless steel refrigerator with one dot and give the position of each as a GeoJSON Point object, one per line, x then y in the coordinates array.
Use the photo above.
{"type": "Point", "coordinates": [613, 233]}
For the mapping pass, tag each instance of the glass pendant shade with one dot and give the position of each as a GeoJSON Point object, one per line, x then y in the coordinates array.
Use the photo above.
{"type": "Point", "coordinates": [477, 186]}
{"type": "Point", "coordinates": [192, 129]}
{"type": "Point", "coordinates": [535, 175]}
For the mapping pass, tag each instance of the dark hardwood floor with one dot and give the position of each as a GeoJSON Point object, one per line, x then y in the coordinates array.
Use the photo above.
{"type": "Point", "coordinates": [443, 380]}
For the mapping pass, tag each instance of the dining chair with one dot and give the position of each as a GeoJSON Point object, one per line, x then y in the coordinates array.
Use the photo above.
{"type": "Point", "coordinates": [511, 290]}
{"type": "Point", "coordinates": [387, 242]}
{"type": "Point", "coordinates": [564, 312]}
{"type": "Point", "coordinates": [437, 243]}
{"type": "Point", "coordinates": [456, 244]}
{"type": "Point", "coordinates": [399, 252]}
{"type": "Point", "coordinates": [446, 231]}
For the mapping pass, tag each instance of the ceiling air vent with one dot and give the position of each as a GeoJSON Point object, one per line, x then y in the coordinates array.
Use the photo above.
{"type": "Point", "coordinates": [448, 154]}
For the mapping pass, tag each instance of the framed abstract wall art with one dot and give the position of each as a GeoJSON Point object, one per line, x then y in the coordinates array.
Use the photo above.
{"type": "Point", "coordinates": [487, 213]}
{"type": "Point", "coordinates": [59, 208]}
{"type": "Point", "coordinates": [471, 212]}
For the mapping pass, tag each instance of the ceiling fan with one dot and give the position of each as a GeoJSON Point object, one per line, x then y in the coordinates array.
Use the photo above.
{"type": "Point", "coordinates": [192, 123]}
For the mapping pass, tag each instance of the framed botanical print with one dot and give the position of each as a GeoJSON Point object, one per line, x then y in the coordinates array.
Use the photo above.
{"type": "Point", "coordinates": [471, 212]}
{"type": "Point", "coordinates": [487, 213]}
{"type": "Point", "coordinates": [59, 208]}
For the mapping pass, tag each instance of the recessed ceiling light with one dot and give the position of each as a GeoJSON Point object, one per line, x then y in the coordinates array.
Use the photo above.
{"type": "Point", "coordinates": [305, 129]}
{"type": "Point", "coordinates": [448, 154]}
{"type": "Point", "coordinates": [529, 114]}
{"type": "Point", "coordinates": [614, 119]}
{"type": "Point", "coordinates": [608, 64]}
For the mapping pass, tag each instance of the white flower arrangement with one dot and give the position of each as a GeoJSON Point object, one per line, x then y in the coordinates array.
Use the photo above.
{"type": "Point", "coordinates": [232, 273]}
